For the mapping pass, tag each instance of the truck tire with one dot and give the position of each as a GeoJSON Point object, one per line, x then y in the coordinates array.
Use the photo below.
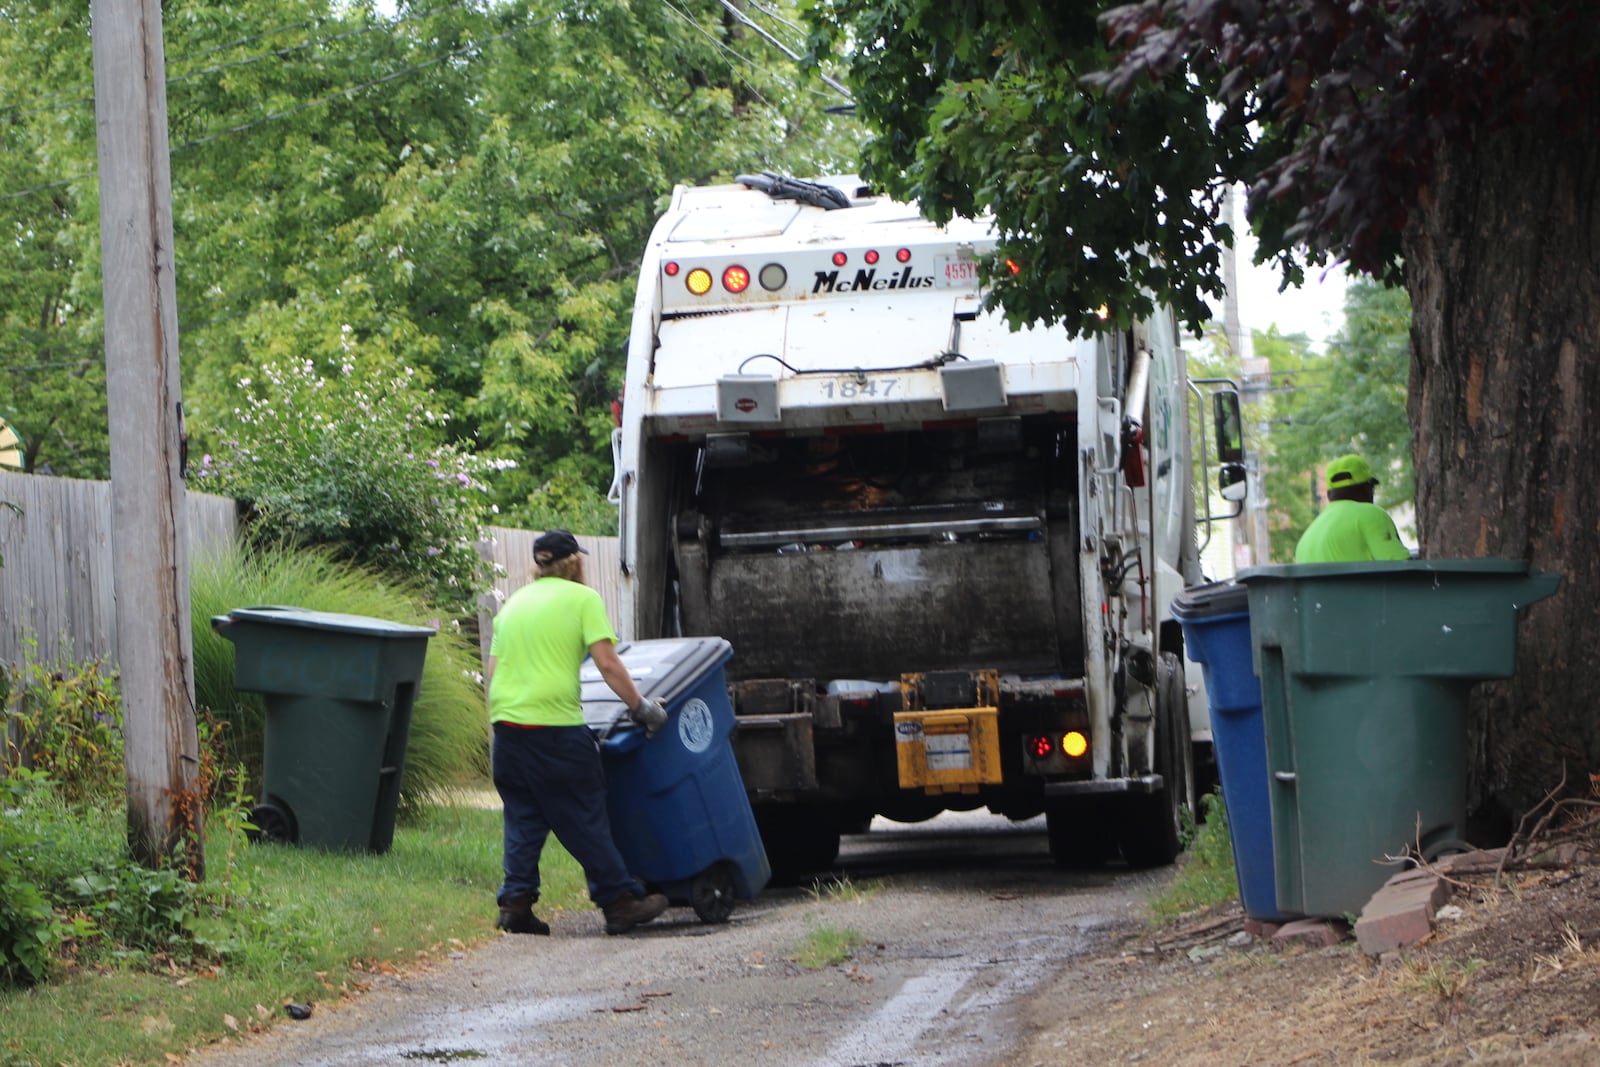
{"type": "Point", "coordinates": [1152, 825]}
{"type": "Point", "coordinates": [800, 840]}
{"type": "Point", "coordinates": [1080, 833]}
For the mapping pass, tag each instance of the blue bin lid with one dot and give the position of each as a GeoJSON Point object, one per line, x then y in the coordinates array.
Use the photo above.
{"type": "Point", "coordinates": [301, 618]}
{"type": "Point", "coordinates": [1212, 600]}
{"type": "Point", "coordinates": [664, 668]}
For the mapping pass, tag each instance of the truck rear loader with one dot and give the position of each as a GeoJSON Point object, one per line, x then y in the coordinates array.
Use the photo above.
{"type": "Point", "coordinates": [942, 549]}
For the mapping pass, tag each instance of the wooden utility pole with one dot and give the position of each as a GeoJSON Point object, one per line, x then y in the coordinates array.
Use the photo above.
{"type": "Point", "coordinates": [149, 522]}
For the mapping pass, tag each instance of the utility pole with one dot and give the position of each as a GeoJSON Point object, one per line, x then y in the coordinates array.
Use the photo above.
{"type": "Point", "coordinates": [1249, 530]}
{"type": "Point", "coordinates": [149, 520]}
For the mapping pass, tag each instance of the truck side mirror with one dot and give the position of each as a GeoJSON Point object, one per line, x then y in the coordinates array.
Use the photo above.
{"type": "Point", "coordinates": [1230, 428]}
{"type": "Point", "coordinates": [1231, 481]}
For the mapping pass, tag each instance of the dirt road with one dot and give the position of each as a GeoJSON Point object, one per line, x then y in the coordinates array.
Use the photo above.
{"type": "Point", "coordinates": [961, 920]}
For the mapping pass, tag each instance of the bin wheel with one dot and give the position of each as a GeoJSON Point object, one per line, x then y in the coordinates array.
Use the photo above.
{"type": "Point", "coordinates": [1152, 826]}
{"type": "Point", "coordinates": [711, 893]}
{"type": "Point", "coordinates": [273, 822]}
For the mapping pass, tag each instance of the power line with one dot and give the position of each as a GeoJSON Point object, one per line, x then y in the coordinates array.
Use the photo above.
{"type": "Point", "coordinates": [780, 46]}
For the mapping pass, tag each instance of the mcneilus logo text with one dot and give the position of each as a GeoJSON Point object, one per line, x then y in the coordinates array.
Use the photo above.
{"type": "Point", "coordinates": [828, 281]}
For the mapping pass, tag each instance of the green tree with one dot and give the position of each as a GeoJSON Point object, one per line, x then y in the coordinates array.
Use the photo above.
{"type": "Point", "coordinates": [1354, 400]}
{"type": "Point", "coordinates": [52, 369]}
{"type": "Point", "coordinates": [464, 186]}
{"type": "Point", "coordinates": [1447, 145]}
{"type": "Point", "coordinates": [1290, 486]}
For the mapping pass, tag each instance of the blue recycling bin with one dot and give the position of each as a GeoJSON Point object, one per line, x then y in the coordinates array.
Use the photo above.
{"type": "Point", "coordinates": [1216, 634]}
{"type": "Point", "coordinates": [679, 812]}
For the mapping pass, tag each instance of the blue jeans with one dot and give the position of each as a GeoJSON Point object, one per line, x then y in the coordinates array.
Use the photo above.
{"type": "Point", "coordinates": [551, 781]}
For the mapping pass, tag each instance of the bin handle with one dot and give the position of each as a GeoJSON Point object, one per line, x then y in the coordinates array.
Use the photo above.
{"type": "Point", "coordinates": [1284, 776]}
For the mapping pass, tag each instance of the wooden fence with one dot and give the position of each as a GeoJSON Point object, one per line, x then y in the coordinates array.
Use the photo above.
{"type": "Point", "coordinates": [57, 602]}
{"type": "Point", "coordinates": [511, 551]}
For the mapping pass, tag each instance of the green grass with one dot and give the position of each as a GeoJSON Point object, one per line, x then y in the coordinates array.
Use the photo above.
{"type": "Point", "coordinates": [1206, 875]}
{"type": "Point", "coordinates": [300, 924]}
{"type": "Point", "coordinates": [825, 946]}
{"type": "Point", "coordinates": [843, 889]}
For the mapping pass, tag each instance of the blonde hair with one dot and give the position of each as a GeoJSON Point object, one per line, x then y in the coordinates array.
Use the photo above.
{"type": "Point", "coordinates": [568, 567]}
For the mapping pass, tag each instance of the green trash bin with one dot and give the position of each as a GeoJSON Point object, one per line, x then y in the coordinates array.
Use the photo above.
{"type": "Point", "coordinates": [1365, 670]}
{"type": "Point", "coordinates": [339, 692]}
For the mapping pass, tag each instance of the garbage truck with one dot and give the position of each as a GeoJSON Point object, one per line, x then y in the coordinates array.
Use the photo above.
{"type": "Point", "coordinates": [943, 549]}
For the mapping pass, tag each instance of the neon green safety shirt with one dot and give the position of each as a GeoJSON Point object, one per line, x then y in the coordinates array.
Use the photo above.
{"type": "Point", "coordinates": [1350, 531]}
{"type": "Point", "coordinates": [541, 635]}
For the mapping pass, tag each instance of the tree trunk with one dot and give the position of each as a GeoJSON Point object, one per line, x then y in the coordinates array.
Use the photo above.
{"type": "Point", "coordinates": [1503, 267]}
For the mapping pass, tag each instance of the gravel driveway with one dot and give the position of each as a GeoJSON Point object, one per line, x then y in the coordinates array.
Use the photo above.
{"type": "Point", "coordinates": [962, 919]}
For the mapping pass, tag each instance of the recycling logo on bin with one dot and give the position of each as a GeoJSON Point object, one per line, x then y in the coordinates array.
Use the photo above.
{"type": "Point", "coordinates": [694, 725]}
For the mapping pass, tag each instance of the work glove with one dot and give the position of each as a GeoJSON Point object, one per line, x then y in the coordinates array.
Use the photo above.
{"type": "Point", "coordinates": [650, 714]}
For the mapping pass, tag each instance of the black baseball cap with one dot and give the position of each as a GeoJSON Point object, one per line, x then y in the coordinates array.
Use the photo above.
{"type": "Point", "coordinates": [553, 545]}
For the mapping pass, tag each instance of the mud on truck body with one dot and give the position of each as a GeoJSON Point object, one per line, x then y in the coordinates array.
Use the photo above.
{"type": "Point", "coordinates": [943, 550]}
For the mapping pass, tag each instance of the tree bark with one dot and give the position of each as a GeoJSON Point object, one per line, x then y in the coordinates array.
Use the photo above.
{"type": "Point", "coordinates": [1503, 268]}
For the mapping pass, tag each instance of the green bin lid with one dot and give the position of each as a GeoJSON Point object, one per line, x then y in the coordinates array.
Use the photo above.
{"type": "Point", "coordinates": [301, 618]}
{"type": "Point", "coordinates": [1381, 568]}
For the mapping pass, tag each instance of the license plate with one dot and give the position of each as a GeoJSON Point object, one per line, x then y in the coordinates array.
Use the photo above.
{"type": "Point", "coordinates": [955, 272]}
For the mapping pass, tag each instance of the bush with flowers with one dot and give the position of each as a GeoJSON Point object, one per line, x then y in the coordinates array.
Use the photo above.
{"type": "Point", "coordinates": [354, 455]}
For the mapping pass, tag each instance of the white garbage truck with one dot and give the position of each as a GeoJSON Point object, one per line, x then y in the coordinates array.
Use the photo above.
{"type": "Point", "coordinates": [942, 549]}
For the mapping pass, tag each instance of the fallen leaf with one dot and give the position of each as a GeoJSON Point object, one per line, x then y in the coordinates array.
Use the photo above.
{"type": "Point", "coordinates": [230, 1022]}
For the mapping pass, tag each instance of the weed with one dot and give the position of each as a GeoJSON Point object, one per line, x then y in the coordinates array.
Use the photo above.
{"type": "Point", "coordinates": [1206, 876]}
{"type": "Point", "coordinates": [843, 889]}
{"type": "Point", "coordinates": [65, 721]}
{"type": "Point", "coordinates": [825, 946]}
{"type": "Point", "coordinates": [1445, 980]}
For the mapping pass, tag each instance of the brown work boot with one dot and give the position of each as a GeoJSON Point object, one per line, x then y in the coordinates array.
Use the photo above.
{"type": "Point", "coordinates": [626, 912]}
{"type": "Point", "coordinates": [517, 917]}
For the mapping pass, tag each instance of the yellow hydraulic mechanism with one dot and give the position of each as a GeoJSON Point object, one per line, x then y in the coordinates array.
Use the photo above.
{"type": "Point", "coordinates": [948, 749]}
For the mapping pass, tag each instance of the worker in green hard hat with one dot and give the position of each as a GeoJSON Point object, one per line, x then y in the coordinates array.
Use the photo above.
{"type": "Point", "coordinates": [1351, 528]}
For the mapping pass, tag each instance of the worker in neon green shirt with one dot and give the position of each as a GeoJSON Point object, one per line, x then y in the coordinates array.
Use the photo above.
{"type": "Point", "coordinates": [546, 763]}
{"type": "Point", "coordinates": [1351, 528]}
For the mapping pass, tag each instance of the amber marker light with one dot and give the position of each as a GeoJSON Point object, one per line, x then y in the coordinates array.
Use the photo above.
{"type": "Point", "coordinates": [698, 281]}
{"type": "Point", "coordinates": [1074, 744]}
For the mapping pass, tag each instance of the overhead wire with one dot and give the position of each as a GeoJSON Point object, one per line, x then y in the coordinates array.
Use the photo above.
{"type": "Point", "coordinates": [721, 45]}
{"type": "Point", "coordinates": [780, 46]}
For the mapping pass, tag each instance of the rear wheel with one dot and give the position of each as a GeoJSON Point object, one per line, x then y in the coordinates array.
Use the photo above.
{"type": "Point", "coordinates": [800, 840]}
{"type": "Point", "coordinates": [1152, 824]}
{"type": "Point", "coordinates": [1080, 834]}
